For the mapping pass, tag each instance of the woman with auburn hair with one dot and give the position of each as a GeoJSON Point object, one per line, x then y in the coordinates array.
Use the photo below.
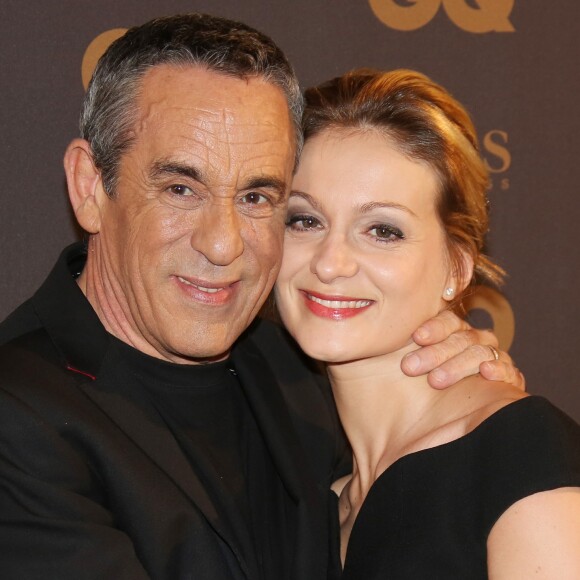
{"type": "Point", "coordinates": [386, 225]}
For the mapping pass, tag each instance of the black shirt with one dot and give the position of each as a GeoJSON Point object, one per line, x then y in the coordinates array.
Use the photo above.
{"type": "Point", "coordinates": [207, 412]}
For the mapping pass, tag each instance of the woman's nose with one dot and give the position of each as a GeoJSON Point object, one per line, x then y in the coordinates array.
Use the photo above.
{"type": "Point", "coordinates": [334, 258]}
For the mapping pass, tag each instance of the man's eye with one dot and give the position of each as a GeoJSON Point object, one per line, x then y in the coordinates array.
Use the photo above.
{"type": "Point", "coordinates": [302, 222]}
{"type": "Point", "coordinates": [385, 233]}
{"type": "Point", "coordinates": [179, 189]}
{"type": "Point", "coordinates": [254, 198]}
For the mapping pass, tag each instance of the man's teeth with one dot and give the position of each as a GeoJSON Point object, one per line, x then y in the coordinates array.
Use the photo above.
{"type": "Point", "coordinates": [208, 290]}
{"type": "Point", "coordinates": [339, 303]}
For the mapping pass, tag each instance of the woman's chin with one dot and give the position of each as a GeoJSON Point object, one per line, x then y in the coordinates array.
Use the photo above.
{"type": "Point", "coordinates": [327, 354]}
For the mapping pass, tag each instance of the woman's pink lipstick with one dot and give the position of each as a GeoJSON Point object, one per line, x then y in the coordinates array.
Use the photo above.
{"type": "Point", "coordinates": [334, 307]}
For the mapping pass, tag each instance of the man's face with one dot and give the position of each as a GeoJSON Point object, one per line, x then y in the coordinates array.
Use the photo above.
{"type": "Point", "coordinates": [190, 246]}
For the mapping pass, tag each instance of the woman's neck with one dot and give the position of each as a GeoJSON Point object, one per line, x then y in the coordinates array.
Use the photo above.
{"type": "Point", "coordinates": [387, 415]}
{"type": "Point", "coordinates": [382, 410]}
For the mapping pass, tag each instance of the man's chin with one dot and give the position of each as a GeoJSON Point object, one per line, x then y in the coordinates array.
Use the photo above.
{"type": "Point", "coordinates": [197, 358]}
{"type": "Point", "coordinates": [199, 347]}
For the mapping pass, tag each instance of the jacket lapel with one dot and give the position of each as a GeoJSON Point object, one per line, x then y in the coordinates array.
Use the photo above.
{"type": "Point", "coordinates": [158, 442]}
{"type": "Point", "coordinates": [273, 418]}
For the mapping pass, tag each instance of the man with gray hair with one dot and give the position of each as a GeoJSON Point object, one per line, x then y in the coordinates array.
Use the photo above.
{"type": "Point", "coordinates": [147, 428]}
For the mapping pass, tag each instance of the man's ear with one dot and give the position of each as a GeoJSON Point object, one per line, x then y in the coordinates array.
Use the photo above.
{"type": "Point", "coordinates": [460, 274]}
{"type": "Point", "coordinates": [85, 188]}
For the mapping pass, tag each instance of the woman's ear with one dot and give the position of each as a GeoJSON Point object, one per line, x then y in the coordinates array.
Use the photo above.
{"type": "Point", "coordinates": [85, 188]}
{"type": "Point", "coordinates": [460, 274]}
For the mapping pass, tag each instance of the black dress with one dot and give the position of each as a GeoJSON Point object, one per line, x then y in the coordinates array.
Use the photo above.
{"type": "Point", "coordinates": [428, 516]}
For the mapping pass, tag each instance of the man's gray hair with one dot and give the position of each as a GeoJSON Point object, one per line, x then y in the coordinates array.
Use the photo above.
{"type": "Point", "coordinates": [108, 113]}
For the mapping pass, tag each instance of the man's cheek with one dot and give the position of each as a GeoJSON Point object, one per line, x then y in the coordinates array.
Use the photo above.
{"type": "Point", "coordinates": [273, 252]}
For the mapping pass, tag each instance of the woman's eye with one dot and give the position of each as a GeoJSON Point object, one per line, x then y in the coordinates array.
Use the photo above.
{"type": "Point", "coordinates": [302, 222]}
{"type": "Point", "coordinates": [385, 232]}
{"type": "Point", "coordinates": [254, 198]}
{"type": "Point", "coordinates": [179, 189]}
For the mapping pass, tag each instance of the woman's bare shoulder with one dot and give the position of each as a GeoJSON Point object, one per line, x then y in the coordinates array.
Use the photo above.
{"type": "Point", "coordinates": [473, 401]}
{"type": "Point", "coordinates": [538, 536]}
{"type": "Point", "coordinates": [485, 398]}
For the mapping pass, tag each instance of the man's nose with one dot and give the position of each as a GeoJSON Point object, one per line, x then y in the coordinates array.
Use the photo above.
{"type": "Point", "coordinates": [217, 235]}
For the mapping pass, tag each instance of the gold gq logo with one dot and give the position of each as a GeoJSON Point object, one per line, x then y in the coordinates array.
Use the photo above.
{"type": "Point", "coordinates": [491, 16]}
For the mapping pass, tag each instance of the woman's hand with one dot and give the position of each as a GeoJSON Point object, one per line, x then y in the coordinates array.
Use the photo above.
{"type": "Point", "coordinates": [452, 350]}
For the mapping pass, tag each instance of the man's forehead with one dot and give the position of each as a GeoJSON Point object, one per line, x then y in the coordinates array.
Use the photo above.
{"type": "Point", "coordinates": [198, 85]}
{"type": "Point", "coordinates": [189, 99]}
{"type": "Point", "coordinates": [226, 137]}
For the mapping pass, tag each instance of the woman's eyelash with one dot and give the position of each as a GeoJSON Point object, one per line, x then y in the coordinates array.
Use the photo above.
{"type": "Point", "coordinates": [306, 220]}
{"type": "Point", "coordinates": [380, 232]}
{"type": "Point", "coordinates": [386, 232]}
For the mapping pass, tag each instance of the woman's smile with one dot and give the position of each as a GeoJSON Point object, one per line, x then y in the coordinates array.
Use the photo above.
{"type": "Point", "coordinates": [334, 307]}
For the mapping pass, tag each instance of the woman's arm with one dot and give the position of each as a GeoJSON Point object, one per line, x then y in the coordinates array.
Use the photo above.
{"type": "Point", "coordinates": [538, 537]}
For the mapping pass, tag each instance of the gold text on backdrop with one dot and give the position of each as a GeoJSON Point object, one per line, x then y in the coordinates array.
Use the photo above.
{"type": "Point", "coordinates": [497, 158]}
{"type": "Point", "coordinates": [500, 311]}
{"type": "Point", "coordinates": [491, 16]}
{"type": "Point", "coordinates": [494, 143]}
{"type": "Point", "coordinates": [95, 50]}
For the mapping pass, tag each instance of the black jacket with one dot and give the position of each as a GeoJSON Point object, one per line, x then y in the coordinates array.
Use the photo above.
{"type": "Point", "coordinates": [91, 487]}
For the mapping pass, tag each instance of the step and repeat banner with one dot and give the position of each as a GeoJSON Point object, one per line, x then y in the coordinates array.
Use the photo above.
{"type": "Point", "coordinates": [513, 63]}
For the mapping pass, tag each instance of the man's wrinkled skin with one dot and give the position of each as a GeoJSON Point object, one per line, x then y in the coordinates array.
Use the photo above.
{"type": "Point", "coordinates": [452, 350]}
{"type": "Point", "coordinates": [185, 252]}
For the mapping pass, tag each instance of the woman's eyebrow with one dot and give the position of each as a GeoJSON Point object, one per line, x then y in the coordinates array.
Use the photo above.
{"type": "Point", "coordinates": [372, 205]}
{"type": "Point", "coordinates": [306, 197]}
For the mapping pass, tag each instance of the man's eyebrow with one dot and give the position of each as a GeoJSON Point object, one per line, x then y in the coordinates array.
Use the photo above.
{"type": "Point", "coordinates": [267, 182]}
{"type": "Point", "coordinates": [163, 168]}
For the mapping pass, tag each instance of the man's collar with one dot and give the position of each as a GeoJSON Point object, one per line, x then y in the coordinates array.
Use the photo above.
{"type": "Point", "coordinates": [73, 325]}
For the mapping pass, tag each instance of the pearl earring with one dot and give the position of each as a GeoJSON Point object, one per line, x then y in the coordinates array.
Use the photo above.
{"type": "Point", "coordinates": [449, 292]}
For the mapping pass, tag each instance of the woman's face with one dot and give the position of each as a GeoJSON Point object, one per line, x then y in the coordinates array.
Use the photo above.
{"type": "Point", "coordinates": [365, 260]}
